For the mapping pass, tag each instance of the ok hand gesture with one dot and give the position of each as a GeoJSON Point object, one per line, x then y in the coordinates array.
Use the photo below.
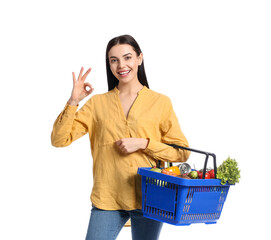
{"type": "Point", "coordinates": [80, 91]}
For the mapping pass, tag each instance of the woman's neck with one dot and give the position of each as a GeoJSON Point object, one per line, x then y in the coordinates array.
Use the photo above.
{"type": "Point", "coordinates": [130, 88]}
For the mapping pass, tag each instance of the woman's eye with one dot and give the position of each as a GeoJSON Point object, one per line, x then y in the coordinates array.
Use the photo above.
{"type": "Point", "coordinates": [113, 60]}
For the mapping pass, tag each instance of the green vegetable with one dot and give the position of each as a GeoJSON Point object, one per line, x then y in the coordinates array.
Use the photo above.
{"type": "Point", "coordinates": [228, 171]}
{"type": "Point", "coordinates": [155, 169]}
{"type": "Point", "coordinates": [193, 174]}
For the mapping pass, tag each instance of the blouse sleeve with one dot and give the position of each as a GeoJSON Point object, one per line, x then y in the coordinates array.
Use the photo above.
{"type": "Point", "coordinates": [171, 133]}
{"type": "Point", "coordinates": [71, 124]}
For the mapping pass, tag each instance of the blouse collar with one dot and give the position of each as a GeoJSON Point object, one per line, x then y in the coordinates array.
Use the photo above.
{"type": "Point", "coordinates": [142, 90]}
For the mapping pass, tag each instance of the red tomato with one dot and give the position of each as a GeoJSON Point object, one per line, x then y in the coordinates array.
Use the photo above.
{"type": "Point", "coordinates": [212, 173]}
{"type": "Point", "coordinates": [207, 175]}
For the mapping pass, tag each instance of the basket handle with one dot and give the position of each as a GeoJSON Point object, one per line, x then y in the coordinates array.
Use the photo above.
{"type": "Point", "coordinates": [207, 154]}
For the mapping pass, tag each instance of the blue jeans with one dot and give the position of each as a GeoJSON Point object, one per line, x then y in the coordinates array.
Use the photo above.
{"type": "Point", "coordinates": [106, 225]}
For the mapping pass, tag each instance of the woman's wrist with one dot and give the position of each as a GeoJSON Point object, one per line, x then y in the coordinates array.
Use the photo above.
{"type": "Point", "coordinates": [73, 102]}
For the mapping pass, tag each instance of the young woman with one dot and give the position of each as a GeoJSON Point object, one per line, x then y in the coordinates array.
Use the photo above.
{"type": "Point", "coordinates": [128, 126]}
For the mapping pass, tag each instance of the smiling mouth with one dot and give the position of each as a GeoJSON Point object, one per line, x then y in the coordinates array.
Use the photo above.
{"type": "Point", "coordinates": [124, 73]}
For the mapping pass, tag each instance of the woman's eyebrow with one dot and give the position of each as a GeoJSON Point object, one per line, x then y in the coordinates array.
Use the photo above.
{"type": "Point", "coordinates": [122, 56]}
{"type": "Point", "coordinates": [126, 54]}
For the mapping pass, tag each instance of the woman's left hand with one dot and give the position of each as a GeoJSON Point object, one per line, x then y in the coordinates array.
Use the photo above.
{"type": "Point", "coordinates": [130, 145]}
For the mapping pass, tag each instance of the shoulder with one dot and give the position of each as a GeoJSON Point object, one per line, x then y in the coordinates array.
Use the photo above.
{"type": "Point", "coordinates": [100, 97]}
{"type": "Point", "coordinates": [100, 100]}
{"type": "Point", "coordinates": [161, 98]}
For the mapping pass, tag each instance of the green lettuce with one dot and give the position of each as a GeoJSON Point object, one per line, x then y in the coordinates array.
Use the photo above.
{"type": "Point", "coordinates": [228, 172]}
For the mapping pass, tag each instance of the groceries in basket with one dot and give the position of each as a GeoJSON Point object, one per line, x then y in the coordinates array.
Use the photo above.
{"type": "Point", "coordinates": [183, 198]}
{"type": "Point", "coordinates": [227, 171]}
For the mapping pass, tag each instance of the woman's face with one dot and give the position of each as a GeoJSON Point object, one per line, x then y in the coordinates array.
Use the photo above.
{"type": "Point", "coordinates": [124, 62]}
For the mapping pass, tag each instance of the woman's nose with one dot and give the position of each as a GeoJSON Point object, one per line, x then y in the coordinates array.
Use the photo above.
{"type": "Point", "coordinates": [121, 64]}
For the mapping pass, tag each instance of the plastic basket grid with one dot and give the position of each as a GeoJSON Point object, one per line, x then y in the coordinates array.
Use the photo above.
{"type": "Point", "coordinates": [180, 201]}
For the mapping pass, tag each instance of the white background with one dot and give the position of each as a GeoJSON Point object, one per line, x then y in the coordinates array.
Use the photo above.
{"type": "Point", "coordinates": [212, 58]}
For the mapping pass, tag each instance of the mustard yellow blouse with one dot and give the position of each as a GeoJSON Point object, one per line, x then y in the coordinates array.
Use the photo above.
{"type": "Point", "coordinates": [116, 183]}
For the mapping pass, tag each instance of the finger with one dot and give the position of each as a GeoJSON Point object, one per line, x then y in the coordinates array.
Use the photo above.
{"type": "Point", "coordinates": [118, 143]}
{"type": "Point", "coordinates": [91, 90]}
{"type": "Point", "coordinates": [86, 74]}
{"type": "Point", "coordinates": [74, 78]}
{"type": "Point", "coordinates": [87, 84]}
{"type": "Point", "coordinates": [88, 88]}
{"type": "Point", "coordinates": [125, 150]}
{"type": "Point", "coordinates": [80, 74]}
{"type": "Point", "coordinates": [122, 148]}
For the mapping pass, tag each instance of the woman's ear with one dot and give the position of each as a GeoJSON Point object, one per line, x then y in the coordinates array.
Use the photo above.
{"type": "Point", "coordinates": [140, 59]}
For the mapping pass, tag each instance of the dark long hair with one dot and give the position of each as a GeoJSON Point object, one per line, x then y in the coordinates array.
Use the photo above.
{"type": "Point", "coordinates": [124, 39]}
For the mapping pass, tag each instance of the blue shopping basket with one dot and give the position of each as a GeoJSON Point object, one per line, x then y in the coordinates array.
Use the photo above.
{"type": "Point", "coordinates": [181, 201]}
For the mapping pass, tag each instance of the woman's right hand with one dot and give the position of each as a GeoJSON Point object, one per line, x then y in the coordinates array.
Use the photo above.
{"type": "Point", "coordinates": [80, 91]}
